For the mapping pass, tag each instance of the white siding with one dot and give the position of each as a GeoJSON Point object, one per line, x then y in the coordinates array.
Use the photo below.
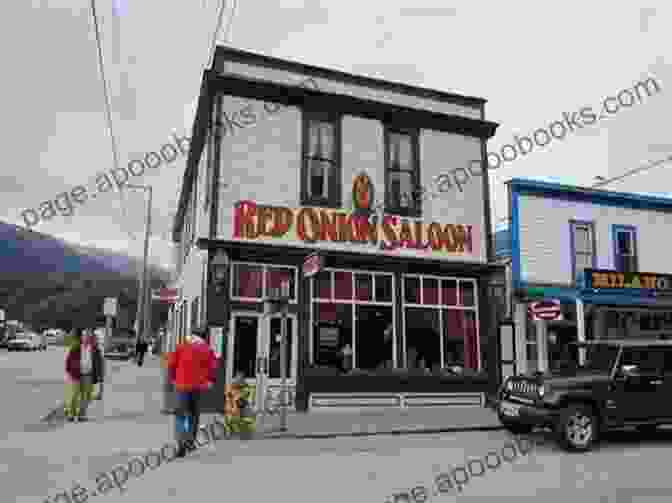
{"type": "Point", "coordinates": [332, 86]}
{"type": "Point", "coordinates": [190, 281]}
{"type": "Point", "coordinates": [202, 213]}
{"type": "Point", "coordinates": [545, 248]}
{"type": "Point", "coordinates": [261, 161]}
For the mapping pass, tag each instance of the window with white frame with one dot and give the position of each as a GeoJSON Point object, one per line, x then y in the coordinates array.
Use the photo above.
{"type": "Point", "coordinates": [583, 247]}
{"type": "Point", "coordinates": [440, 323]}
{"type": "Point", "coordinates": [321, 175]}
{"type": "Point", "coordinates": [352, 320]}
{"type": "Point", "coordinates": [253, 282]}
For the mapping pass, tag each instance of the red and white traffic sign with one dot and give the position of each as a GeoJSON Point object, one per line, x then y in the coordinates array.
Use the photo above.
{"type": "Point", "coordinates": [165, 295]}
{"type": "Point", "coordinates": [548, 309]}
{"type": "Point", "coordinates": [312, 265]}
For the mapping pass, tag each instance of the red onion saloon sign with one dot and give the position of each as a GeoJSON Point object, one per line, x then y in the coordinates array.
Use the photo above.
{"type": "Point", "coordinates": [314, 225]}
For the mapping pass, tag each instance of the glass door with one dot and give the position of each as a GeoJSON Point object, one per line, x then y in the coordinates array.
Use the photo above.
{"type": "Point", "coordinates": [244, 345]}
{"type": "Point", "coordinates": [274, 368]}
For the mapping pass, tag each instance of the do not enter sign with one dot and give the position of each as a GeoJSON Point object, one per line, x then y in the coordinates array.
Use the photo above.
{"type": "Point", "coordinates": [545, 310]}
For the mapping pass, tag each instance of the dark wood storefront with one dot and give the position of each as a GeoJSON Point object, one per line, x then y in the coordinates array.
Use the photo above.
{"type": "Point", "coordinates": [380, 385]}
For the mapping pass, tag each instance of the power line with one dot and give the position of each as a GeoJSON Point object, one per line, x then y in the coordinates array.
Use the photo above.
{"type": "Point", "coordinates": [651, 165]}
{"type": "Point", "coordinates": [220, 18]}
{"type": "Point", "coordinates": [108, 108]}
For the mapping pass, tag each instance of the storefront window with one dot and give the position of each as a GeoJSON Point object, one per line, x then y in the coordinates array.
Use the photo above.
{"type": "Point", "coordinates": [332, 336]}
{"type": "Point", "coordinates": [383, 288]}
{"type": "Point", "coordinates": [625, 324]}
{"type": "Point", "coordinates": [423, 341]}
{"type": "Point", "coordinates": [275, 277]}
{"type": "Point", "coordinates": [374, 346]}
{"type": "Point", "coordinates": [467, 294]}
{"type": "Point", "coordinates": [453, 337]}
{"type": "Point", "coordinates": [449, 292]}
{"type": "Point", "coordinates": [247, 281]}
{"type": "Point", "coordinates": [412, 290]}
{"type": "Point", "coordinates": [430, 291]}
{"type": "Point", "coordinates": [351, 330]}
{"type": "Point", "coordinates": [253, 282]}
{"type": "Point", "coordinates": [323, 285]}
{"type": "Point", "coordinates": [342, 285]}
{"type": "Point", "coordinates": [436, 337]}
{"type": "Point", "coordinates": [364, 287]}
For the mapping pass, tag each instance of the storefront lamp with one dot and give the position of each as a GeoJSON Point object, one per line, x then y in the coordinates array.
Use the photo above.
{"type": "Point", "coordinates": [220, 265]}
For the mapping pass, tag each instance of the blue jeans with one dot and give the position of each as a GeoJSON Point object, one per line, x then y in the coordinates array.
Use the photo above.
{"type": "Point", "coordinates": [188, 404]}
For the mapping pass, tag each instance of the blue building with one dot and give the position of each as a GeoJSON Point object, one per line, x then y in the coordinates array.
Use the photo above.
{"type": "Point", "coordinates": [593, 263]}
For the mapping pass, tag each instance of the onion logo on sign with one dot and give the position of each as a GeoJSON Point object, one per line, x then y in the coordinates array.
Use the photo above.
{"type": "Point", "coordinates": [545, 310]}
{"type": "Point", "coordinates": [362, 194]}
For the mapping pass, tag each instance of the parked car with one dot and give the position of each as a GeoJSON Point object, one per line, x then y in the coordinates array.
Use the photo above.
{"type": "Point", "coordinates": [622, 384]}
{"type": "Point", "coordinates": [120, 345]}
{"type": "Point", "coordinates": [53, 336]}
{"type": "Point", "coordinates": [120, 351]}
{"type": "Point", "coordinates": [27, 341]}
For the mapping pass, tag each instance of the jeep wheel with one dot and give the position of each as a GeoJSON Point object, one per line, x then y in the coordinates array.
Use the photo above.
{"type": "Point", "coordinates": [577, 428]}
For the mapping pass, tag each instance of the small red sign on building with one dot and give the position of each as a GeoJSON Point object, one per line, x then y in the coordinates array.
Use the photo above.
{"type": "Point", "coordinates": [312, 264]}
{"type": "Point", "coordinates": [165, 295]}
{"type": "Point", "coordinates": [545, 310]}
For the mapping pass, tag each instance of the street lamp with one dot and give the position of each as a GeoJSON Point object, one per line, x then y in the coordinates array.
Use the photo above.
{"type": "Point", "coordinates": [219, 264]}
{"type": "Point", "coordinates": [144, 302]}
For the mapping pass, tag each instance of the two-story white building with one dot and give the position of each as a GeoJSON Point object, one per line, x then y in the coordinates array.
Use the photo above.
{"type": "Point", "coordinates": [287, 160]}
{"type": "Point", "coordinates": [602, 254]}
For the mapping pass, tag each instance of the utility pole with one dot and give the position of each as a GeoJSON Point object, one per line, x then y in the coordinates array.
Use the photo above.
{"type": "Point", "coordinates": [144, 304]}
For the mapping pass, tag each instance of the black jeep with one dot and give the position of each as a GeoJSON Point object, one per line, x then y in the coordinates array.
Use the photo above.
{"type": "Point", "coordinates": [622, 383]}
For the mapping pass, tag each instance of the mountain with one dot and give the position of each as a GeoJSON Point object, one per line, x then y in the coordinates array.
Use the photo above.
{"type": "Point", "coordinates": [46, 281]}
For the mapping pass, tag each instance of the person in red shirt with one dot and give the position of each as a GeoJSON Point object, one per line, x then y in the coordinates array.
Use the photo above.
{"type": "Point", "coordinates": [192, 368]}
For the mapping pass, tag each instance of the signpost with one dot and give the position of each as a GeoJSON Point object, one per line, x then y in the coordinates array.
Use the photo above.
{"type": "Point", "coordinates": [549, 309]}
{"type": "Point", "coordinates": [110, 307]}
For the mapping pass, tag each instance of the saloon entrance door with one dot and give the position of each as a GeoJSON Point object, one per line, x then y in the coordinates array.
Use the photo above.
{"type": "Point", "coordinates": [247, 339]}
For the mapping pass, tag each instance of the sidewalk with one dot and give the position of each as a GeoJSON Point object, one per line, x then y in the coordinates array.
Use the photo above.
{"type": "Point", "coordinates": [143, 397]}
{"type": "Point", "coordinates": [128, 422]}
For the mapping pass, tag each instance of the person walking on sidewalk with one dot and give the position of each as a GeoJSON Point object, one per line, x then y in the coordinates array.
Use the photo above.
{"type": "Point", "coordinates": [141, 350]}
{"type": "Point", "coordinates": [91, 370]}
{"type": "Point", "coordinates": [192, 368]}
{"type": "Point", "coordinates": [80, 374]}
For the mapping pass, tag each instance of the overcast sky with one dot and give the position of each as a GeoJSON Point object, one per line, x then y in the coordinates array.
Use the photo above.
{"type": "Point", "coordinates": [531, 60]}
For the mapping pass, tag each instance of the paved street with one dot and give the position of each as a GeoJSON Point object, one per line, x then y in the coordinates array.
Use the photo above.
{"type": "Point", "coordinates": [31, 382]}
{"type": "Point", "coordinates": [374, 468]}
{"type": "Point", "coordinates": [40, 461]}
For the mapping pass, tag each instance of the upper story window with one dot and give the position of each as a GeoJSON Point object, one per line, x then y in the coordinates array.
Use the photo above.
{"type": "Point", "coordinates": [583, 247]}
{"type": "Point", "coordinates": [625, 248]}
{"type": "Point", "coordinates": [321, 170]}
{"type": "Point", "coordinates": [402, 172]}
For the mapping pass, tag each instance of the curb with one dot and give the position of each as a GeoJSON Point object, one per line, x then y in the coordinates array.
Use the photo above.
{"type": "Point", "coordinates": [418, 431]}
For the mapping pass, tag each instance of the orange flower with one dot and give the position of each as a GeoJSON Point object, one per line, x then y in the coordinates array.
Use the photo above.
{"type": "Point", "coordinates": [232, 400]}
